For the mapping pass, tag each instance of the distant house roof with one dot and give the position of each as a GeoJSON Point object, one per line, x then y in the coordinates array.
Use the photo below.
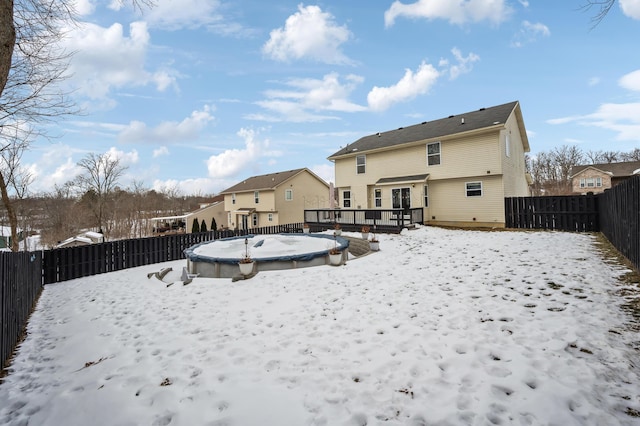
{"type": "Point", "coordinates": [483, 118]}
{"type": "Point", "coordinates": [266, 182]}
{"type": "Point", "coordinates": [628, 168]}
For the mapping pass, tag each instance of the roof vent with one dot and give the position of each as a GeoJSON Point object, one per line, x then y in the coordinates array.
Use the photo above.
{"type": "Point", "coordinates": [462, 120]}
{"type": "Point", "coordinates": [400, 128]}
{"type": "Point", "coordinates": [378, 134]}
{"type": "Point", "coordinates": [481, 109]}
{"type": "Point", "coordinates": [424, 122]}
{"type": "Point", "coordinates": [451, 116]}
{"type": "Point", "coordinates": [496, 122]}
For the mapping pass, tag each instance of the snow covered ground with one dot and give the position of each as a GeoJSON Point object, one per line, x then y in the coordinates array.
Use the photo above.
{"type": "Point", "coordinates": [441, 327]}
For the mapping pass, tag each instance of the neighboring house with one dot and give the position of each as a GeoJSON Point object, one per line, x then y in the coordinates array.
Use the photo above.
{"type": "Point", "coordinates": [83, 239]}
{"type": "Point", "coordinates": [458, 169]}
{"type": "Point", "coordinates": [598, 177]}
{"type": "Point", "coordinates": [5, 237]}
{"type": "Point", "coordinates": [214, 210]}
{"type": "Point", "coordinates": [274, 199]}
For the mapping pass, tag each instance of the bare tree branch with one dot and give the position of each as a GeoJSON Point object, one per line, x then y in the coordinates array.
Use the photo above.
{"type": "Point", "coordinates": [603, 7]}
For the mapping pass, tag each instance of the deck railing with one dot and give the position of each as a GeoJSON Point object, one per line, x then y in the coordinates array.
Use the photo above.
{"type": "Point", "coordinates": [379, 220]}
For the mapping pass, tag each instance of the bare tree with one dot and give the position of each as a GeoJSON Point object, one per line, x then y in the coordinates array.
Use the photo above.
{"type": "Point", "coordinates": [32, 63]}
{"type": "Point", "coordinates": [633, 155]}
{"type": "Point", "coordinates": [550, 171]}
{"type": "Point", "coordinates": [98, 182]}
{"type": "Point", "coordinates": [63, 218]}
{"type": "Point", "coordinates": [602, 8]}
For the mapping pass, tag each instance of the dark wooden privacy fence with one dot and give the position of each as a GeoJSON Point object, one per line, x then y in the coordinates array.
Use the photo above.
{"type": "Point", "coordinates": [20, 286]}
{"type": "Point", "coordinates": [577, 213]}
{"type": "Point", "coordinates": [620, 218]}
{"type": "Point", "coordinates": [23, 274]}
{"type": "Point", "coordinates": [77, 262]}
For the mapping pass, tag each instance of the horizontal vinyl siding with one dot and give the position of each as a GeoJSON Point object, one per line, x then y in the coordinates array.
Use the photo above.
{"type": "Point", "coordinates": [448, 201]}
{"type": "Point", "coordinates": [515, 181]}
{"type": "Point", "coordinates": [402, 162]}
{"type": "Point", "coordinates": [471, 156]}
{"type": "Point", "coordinates": [308, 193]}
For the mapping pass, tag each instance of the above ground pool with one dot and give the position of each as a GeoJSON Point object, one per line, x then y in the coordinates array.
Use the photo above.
{"type": "Point", "coordinates": [220, 258]}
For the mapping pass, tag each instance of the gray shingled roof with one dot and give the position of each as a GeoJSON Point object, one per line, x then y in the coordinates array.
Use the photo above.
{"type": "Point", "coordinates": [403, 179]}
{"type": "Point", "coordinates": [473, 120]}
{"type": "Point", "coordinates": [262, 182]}
{"type": "Point", "coordinates": [616, 169]}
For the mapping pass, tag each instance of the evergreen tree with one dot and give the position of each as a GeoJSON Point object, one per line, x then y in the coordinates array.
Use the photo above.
{"type": "Point", "coordinates": [203, 226]}
{"type": "Point", "coordinates": [196, 227]}
{"type": "Point", "coordinates": [214, 225]}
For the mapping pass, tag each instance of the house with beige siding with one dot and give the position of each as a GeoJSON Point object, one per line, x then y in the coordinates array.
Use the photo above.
{"type": "Point", "coordinates": [597, 178]}
{"type": "Point", "coordinates": [274, 199]}
{"type": "Point", "coordinates": [458, 169]}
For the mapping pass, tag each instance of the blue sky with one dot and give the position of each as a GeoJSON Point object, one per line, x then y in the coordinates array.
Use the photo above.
{"type": "Point", "coordinates": [196, 95]}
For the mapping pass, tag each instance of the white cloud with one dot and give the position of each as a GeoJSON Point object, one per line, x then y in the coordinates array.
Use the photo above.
{"type": "Point", "coordinates": [83, 7]}
{"type": "Point", "coordinates": [631, 81]}
{"type": "Point", "coordinates": [163, 150]}
{"type": "Point", "coordinates": [305, 99]}
{"type": "Point", "coordinates": [199, 186]}
{"type": "Point", "coordinates": [623, 119]}
{"type": "Point", "coordinates": [456, 12]}
{"type": "Point", "coordinates": [464, 64]}
{"type": "Point", "coordinates": [631, 8]}
{"type": "Point", "coordinates": [63, 173]}
{"type": "Point", "coordinates": [310, 33]}
{"type": "Point", "coordinates": [529, 33]}
{"type": "Point", "coordinates": [233, 161]}
{"type": "Point", "coordinates": [173, 15]}
{"type": "Point", "coordinates": [126, 158]}
{"type": "Point", "coordinates": [324, 171]}
{"type": "Point", "coordinates": [410, 85]}
{"type": "Point", "coordinates": [105, 59]}
{"type": "Point", "coordinates": [168, 131]}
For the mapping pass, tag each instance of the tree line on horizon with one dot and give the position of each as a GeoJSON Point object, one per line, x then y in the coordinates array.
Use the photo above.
{"type": "Point", "coordinates": [550, 171]}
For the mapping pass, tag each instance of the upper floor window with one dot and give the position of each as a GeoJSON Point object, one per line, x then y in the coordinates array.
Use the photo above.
{"type": "Point", "coordinates": [474, 189]}
{"type": "Point", "coordinates": [256, 196]}
{"type": "Point", "coordinates": [377, 197]}
{"type": "Point", "coordinates": [591, 182]}
{"type": "Point", "coordinates": [233, 198]}
{"type": "Point", "coordinates": [346, 199]}
{"type": "Point", "coordinates": [288, 194]}
{"type": "Point", "coordinates": [361, 163]}
{"type": "Point", "coordinates": [433, 154]}
{"type": "Point", "coordinates": [507, 146]}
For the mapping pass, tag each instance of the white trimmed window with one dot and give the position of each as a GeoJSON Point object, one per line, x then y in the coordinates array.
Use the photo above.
{"type": "Point", "coordinates": [346, 199]}
{"type": "Point", "coordinates": [270, 217]}
{"type": "Point", "coordinates": [507, 146]}
{"type": "Point", "coordinates": [426, 196]}
{"type": "Point", "coordinates": [591, 182]}
{"type": "Point", "coordinates": [474, 189]}
{"type": "Point", "coordinates": [361, 164]}
{"type": "Point", "coordinates": [256, 196]}
{"type": "Point", "coordinates": [288, 194]}
{"type": "Point", "coordinates": [254, 219]}
{"type": "Point", "coordinates": [377, 197]}
{"type": "Point", "coordinates": [433, 154]}
{"type": "Point", "coordinates": [233, 198]}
